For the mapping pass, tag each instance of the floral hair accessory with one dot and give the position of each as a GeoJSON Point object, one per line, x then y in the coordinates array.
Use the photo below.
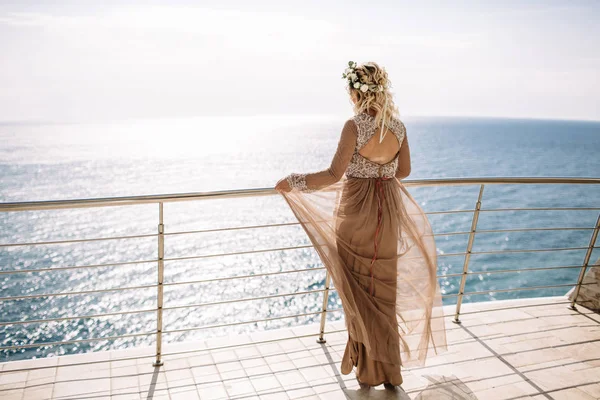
{"type": "Point", "coordinates": [355, 82]}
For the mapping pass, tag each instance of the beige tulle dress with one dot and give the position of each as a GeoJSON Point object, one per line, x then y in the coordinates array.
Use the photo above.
{"type": "Point", "coordinates": [378, 246]}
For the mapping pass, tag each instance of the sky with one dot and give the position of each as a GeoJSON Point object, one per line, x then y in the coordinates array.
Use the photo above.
{"type": "Point", "coordinates": [91, 61]}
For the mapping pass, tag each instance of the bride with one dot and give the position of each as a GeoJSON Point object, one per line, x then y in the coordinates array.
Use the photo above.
{"type": "Point", "coordinates": [372, 236]}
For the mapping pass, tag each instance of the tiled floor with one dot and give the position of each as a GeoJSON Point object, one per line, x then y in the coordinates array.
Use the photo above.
{"type": "Point", "coordinates": [516, 349]}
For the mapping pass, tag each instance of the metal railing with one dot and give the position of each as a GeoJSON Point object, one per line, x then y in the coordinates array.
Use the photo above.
{"type": "Point", "coordinates": [160, 260]}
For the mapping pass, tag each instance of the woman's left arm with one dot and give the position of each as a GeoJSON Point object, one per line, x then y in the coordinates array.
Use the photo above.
{"type": "Point", "coordinates": [329, 176]}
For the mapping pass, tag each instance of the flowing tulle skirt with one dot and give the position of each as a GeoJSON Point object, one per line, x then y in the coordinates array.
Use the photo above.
{"type": "Point", "coordinates": [377, 244]}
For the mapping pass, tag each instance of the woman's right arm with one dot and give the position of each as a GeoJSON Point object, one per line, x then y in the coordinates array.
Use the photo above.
{"type": "Point", "coordinates": [403, 169]}
{"type": "Point", "coordinates": [331, 175]}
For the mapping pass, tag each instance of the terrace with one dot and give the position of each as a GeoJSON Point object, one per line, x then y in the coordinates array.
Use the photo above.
{"type": "Point", "coordinates": [524, 348]}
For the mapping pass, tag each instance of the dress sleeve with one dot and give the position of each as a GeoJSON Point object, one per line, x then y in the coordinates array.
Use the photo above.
{"type": "Point", "coordinates": [339, 163]}
{"type": "Point", "coordinates": [403, 169]}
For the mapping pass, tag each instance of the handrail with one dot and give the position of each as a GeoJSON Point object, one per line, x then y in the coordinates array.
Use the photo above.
{"type": "Point", "coordinates": [157, 198]}
{"type": "Point", "coordinates": [160, 260]}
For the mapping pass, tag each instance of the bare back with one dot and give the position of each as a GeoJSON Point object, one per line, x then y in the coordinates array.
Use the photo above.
{"type": "Point", "coordinates": [384, 152]}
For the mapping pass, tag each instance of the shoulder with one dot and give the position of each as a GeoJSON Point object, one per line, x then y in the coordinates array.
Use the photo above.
{"type": "Point", "coordinates": [364, 123]}
{"type": "Point", "coordinates": [351, 125]}
{"type": "Point", "coordinates": [397, 126]}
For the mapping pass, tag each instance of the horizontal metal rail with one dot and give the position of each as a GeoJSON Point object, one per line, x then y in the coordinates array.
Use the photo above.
{"type": "Point", "coordinates": [197, 328]}
{"type": "Point", "coordinates": [153, 260]}
{"type": "Point", "coordinates": [33, 296]}
{"type": "Point", "coordinates": [513, 289]}
{"type": "Point", "coordinates": [36, 296]}
{"type": "Point", "coordinates": [224, 194]}
{"type": "Point", "coordinates": [501, 271]}
{"type": "Point", "coordinates": [574, 228]}
{"type": "Point", "coordinates": [227, 278]}
{"type": "Point", "coordinates": [448, 212]}
{"type": "Point", "coordinates": [147, 235]}
{"type": "Point", "coordinates": [541, 209]}
{"type": "Point", "coordinates": [529, 250]}
{"type": "Point", "coordinates": [78, 240]}
{"type": "Point", "coordinates": [521, 288]}
{"type": "Point", "coordinates": [235, 228]}
{"type": "Point", "coordinates": [519, 306]}
{"type": "Point", "coordinates": [214, 303]}
{"type": "Point", "coordinates": [226, 229]}
{"type": "Point", "coordinates": [477, 272]}
{"type": "Point", "coordinates": [102, 315]}
{"type": "Point", "coordinates": [462, 253]}
{"type": "Point", "coordinates": [115, 264]}
{"type": "Point", "coordinates": [235, 253]}
{"type": "Point", "coordinates": [449, 275]}
{"type": "Point", "coordinates": [451, 233]}
{"type": "Point", "coordinates": [40, 321]}
{"type": "Point", "coordinates": [41, 344]}
{"type": "Point", "coordinates": [445, 296]}
{"type": "Point", "coordinates": [53, 242]}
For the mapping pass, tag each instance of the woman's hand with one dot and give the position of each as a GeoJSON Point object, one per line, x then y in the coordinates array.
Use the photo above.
{"type": "Point", "coordinates": [283, 185]}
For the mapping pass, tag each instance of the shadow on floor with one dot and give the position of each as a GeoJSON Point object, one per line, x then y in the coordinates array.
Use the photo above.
{"type": "Point", "coordinates": [445, 387]}
{"type": "Point", "coordinates": [439, 388]}
{"type": "Point", "coordinates": [152, 387]}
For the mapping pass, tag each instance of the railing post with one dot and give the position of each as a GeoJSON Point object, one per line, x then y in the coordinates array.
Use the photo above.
{"type": "Point", "coordinates": [161, 273]}
{"type": "Point", "coordinates": [324, 310]}
{"type": "Point", "coordinates": [463, 279]}
{"type": "Point", "coordinates": [586, 261]}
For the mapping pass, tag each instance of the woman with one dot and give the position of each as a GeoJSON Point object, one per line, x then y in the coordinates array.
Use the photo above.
{"type": "Point", "coordinates": [373, 237]}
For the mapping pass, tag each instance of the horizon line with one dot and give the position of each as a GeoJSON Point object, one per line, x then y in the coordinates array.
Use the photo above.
{"type": "Point", "coordinates": [280, 115]}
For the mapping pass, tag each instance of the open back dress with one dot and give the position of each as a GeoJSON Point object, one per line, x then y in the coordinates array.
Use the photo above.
{"type": "Point", "coordinates": [378, 247]}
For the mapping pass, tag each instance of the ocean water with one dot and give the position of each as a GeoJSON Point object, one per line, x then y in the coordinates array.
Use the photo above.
{"type": "Point", "coordinates": [68, 161]}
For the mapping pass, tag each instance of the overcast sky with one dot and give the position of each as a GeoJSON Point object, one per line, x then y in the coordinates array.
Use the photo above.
{"type": "Point", "coordinates": [89, 61]}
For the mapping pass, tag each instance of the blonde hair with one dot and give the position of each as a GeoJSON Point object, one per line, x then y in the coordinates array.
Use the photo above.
{"type": "Point", "coordinates": [372, 74]}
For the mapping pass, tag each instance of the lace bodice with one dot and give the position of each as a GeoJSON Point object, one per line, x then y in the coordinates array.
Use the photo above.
{"type": "Point", "coordinates": [361, 167]}
{"type": "Point", "coordinates": [347, 160]}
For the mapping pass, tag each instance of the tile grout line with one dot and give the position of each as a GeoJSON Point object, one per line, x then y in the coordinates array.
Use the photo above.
{"type": "Point", "coordinates": [273, 372]}
{"type": "Point", "coordinates": [54, 381]}
{"type": "Point", "coordinates": [509, 365]}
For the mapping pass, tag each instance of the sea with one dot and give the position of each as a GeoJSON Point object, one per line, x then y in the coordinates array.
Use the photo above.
{"type": "Point", "coordinates": [57, 161]}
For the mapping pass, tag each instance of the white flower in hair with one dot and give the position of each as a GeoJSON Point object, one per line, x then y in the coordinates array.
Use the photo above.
{"type": "Point", "coordinates": [356, 85]}
{"type": "Point", "coordinates": [349, 70]}
{"type": "Point", "coordinates": [353, 77]}
{"type": "Point", "coordinates": [364, 88]}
